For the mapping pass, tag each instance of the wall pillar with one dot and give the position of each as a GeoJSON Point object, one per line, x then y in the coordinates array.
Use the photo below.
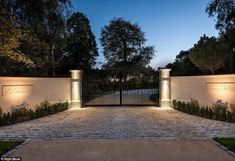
{"type": "Point", "coordinates": [76, 89]}
{"type": "Point", "coordinates": [165, 88]}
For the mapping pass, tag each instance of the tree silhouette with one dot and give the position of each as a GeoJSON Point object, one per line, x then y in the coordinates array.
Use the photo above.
{"type": "Point", "coordinates": [182, 65]}
{"type": "Point", "coordinates": [224, 10]}
{"type": "Point", "coordinates": [124, 46]}
{"type": "Point", "coordinates": [209, 54]}
{"type": "Point", "coordinates": [81, 50]}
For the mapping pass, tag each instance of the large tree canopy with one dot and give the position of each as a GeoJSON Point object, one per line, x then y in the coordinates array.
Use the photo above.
{"type": "Point", "coordinates": [81, 50]}
{"type": "Point", "coordinates": [228, 37]}
{"type": "Point", "coordinates": [209, 54]}
{"type": "Point", "coordinates": [44, 23]}
{"type": "Point", "coordinates": [10, 40]}
{"type": "Point", "coordinates": [224, 10]}
{"type": "Point", "coordinates": [124, 45]}
{"type": "Point", "coordinates": [183, 65]}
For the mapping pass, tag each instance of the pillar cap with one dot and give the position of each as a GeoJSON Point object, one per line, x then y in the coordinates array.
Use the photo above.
{"type": "Point", "coordinates": [165, 69]}
{"type": "Point", "coordinates": [73, 71]}
{"type": "Point", "coordinates": [76, 74]}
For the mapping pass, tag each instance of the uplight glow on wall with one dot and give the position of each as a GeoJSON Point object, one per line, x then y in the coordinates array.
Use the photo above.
{"type": "Point", "coordinates": [16, 90]}
{"type": "Point", "coordinates": [221, 90]}
{"type": "Point", "coordinates": [17, 93]}
{"type": "Point", "coordinates": [224, 87]}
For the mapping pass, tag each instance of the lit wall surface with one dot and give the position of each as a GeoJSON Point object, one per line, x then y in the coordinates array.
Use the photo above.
{"type": "Point", "coordinates": [206, 89]}
{"type": "Point", "coordinates": [17, 90]}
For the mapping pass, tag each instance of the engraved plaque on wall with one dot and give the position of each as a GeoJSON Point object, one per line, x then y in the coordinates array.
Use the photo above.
{"type": "Point", "coordinates": [16, 90]}
{"type": "Point", "coordinates": [228, 87]}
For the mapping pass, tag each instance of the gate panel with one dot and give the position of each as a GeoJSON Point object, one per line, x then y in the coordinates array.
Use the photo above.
{"type": "Point", "coordinates": [108, 88]}
{"type": "Point", "coordinates": [101, 89]}
{"type": "Point", "coordinates": [140, 89]}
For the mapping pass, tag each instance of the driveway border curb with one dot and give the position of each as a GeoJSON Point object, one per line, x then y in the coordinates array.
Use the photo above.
{"type": "Point", "coordinates": [15, 149]}
{"type": "Point", "coordinates": [223, 147]}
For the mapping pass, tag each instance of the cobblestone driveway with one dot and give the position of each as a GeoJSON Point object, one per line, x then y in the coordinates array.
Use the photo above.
{"type": "Point", "coordinates": [118, 122]}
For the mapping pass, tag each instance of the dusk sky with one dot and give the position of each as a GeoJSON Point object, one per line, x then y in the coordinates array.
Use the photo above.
{"type": "Point", "coordinates": [169, 25]}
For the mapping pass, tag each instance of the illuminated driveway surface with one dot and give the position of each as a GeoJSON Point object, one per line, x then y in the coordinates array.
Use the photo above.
{"type": "Point", "coordinates": [118, 122]}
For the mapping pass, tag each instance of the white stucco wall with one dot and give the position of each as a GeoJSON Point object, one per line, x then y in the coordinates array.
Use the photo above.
{"type": "Point", "coordinates": [16, 90]}
{"type": "Point", "coordinates": [206, 89]}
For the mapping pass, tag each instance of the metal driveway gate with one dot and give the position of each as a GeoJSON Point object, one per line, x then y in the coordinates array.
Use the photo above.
{"type": "Point", "coordinates": [109, 88]}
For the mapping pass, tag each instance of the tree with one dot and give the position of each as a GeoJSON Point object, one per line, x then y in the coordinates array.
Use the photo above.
{"type": "Point", "coordinates": [228, 37]}
{"type": "Point", "coordinates": [209, 54]}
{"type": "Point", "coordinates": [124, 46]}
{"type": "Point", "coordinates": [55, 15]}
{"type": "Point", "coordinates": [224, 10]}
{"type": "Point", "coordinates": [182, 66]}
{"type": "Point", "coordinates": [10, 41]}
{"type": "Point", "coordinates": [46, 21]}
{"type": "Point", "coordinates": [81, 50]}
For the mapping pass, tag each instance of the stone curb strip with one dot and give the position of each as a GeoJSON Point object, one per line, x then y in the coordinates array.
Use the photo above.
{"type": "Point", "coordinates": [15, 149]}
{"type": "Point", "coordinates": [223, 147]}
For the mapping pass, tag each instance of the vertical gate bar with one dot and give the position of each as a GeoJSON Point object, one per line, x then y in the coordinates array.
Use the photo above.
{"type": "Point", "coordinates": [120, 87]}
{"type": "Point", "coordinates": [158, 85]}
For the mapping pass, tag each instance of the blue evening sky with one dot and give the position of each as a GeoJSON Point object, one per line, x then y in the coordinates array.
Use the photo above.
{"type": "Point", "coordinates": [169, 25]}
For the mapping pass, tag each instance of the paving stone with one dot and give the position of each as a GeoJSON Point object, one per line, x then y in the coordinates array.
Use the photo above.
{"type": "Point", "coordinates": [118, 122]}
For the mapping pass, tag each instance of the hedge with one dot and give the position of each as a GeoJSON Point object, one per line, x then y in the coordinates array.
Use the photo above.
{"type": "Point", "coordinates": [24, 114]}
{"type": "Point", "coordinates": [218, 111]}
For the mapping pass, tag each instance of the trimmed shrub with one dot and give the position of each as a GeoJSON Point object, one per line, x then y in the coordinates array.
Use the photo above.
{"type": "Point", "coordinates": [174, 104]}
{"type": "Point", "coordinates": [232, 108]}
{"type": "Point", "coordinates": [220, 109]}
{"type": "Point", "coordinates": [45, 108]}
{"type": "Point", "coordinates": [5, 119]}
{"type": "Point", "coordinates": [1, 111]}
{"type": "Point", "coordinates": [20, 115]}
{"type": "Point", "coordinates": [194, 106]}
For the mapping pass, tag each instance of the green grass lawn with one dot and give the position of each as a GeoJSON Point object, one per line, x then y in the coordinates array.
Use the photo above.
{"type": "Point", "coordinates": [227, 142]}
{"type": "Point", "coordinates": [6, 146]}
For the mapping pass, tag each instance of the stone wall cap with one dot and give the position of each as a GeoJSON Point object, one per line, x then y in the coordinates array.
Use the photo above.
{"type": "Point", "coordinates": [33, 78]}
{"type": "Point", "coordinates": [205, 76]}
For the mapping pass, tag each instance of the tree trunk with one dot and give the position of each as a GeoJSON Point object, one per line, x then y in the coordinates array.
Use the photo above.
{"type": "Point", "coordinates": [212, 72]}
{"type": "Point", "coordinates": [125, 76]}
{"type": "Point", "coordinates": [125, 58]}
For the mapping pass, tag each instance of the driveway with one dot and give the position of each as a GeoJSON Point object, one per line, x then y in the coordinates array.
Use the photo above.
{"type": "Point", "coordinates": [118, 123]}
{"type": "Point", "coordinates": [122, 150]}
